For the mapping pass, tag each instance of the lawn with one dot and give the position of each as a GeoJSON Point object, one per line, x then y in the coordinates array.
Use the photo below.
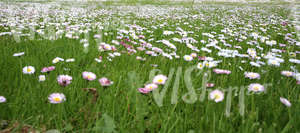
{"type": "Point", "coordinates": [124, 67]}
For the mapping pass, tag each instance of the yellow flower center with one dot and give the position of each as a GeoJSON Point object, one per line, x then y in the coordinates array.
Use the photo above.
{"type": "Point", "coordinates": [89, 76]}
{"type": "Point", "coordinates": [256, 88]}
{"type": "Point", "coordinates": [217, 96]}
{"type": "Point", "coordinates": [160, 80]}
{"type": "Point", "coordinates": [29, 69]}
{"type": "Point", "coordinates": [57, 99]}
{"type": "Point", "coordinates": [252, 75]}
{"type": "Point", "coordinates": [206, 64]}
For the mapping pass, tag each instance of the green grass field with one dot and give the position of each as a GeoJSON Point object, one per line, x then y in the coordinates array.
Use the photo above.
{"type": "Point", "coordinates": [129, 45]}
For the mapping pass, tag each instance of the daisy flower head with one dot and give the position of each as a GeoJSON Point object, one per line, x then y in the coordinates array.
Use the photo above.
{"type": "Point", "coordinates": [150, 87]}
{"type": "Point", "coordinates": [188, 58]}
{"type": "Point", "coordinates": [105, 82]}
{"type": "Point", "coordinates": [194, 55]}
{"type": "Point", "coordinates": [287, 73]}
{"type": "Point", "coordinates": [89, 76]}
{"type": "Point", "coordinates": [64, 80]}
{"type": "Point", "coordinates": [48, 69]}
{"type": "Point", "coordinates": [2, 99]}
{"type": "Point", "coordinates": [216, 95]}
{"type": "Point", "coordinates": [18, 54]}
{"type": "Point", "coordinates": [210, 64]}
{"type": "Point", "coordinates": [209, 85]}
{"type": "Point", "coordinates": [42, 78]}
{"type": "Point", "coordinates": [252, 75]}
{"type": "Point", "coordinates": [285, 102]}
{"type": "Point", "coordinates": [200, 65]}
{"type": "Point", "coordinates": [255, 87]}
{"type": "Point", "coordinates": [143, 90]}
{"type": "Point", "coordinates": [28, 70]}
{"type": "Point", "coordinates": [159, 79]}
{"type": "Point", "coordinates": [221, 71]}
{"type": "Point", "coordinates": [56, 98]}
{"type": "Point", "coordinates": [70, 60]}
{"type": "Point", "coordinates": [57, 59]}
{"type": "Point", "coordinates": [297, 76]}
{"type": "Point", "coordinates": [273, 62]}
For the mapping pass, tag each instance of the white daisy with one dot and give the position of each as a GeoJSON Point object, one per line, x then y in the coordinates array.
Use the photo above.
{"type": "Point", "coordinates": [57, 59]}
{"type": "Point", "coordinates": [19, 54]}
{"type": "Point", "coordinates": [2, 99]}
{"type": "Point", "coordinates": [42, 78]}
{"type": "Point", "coordinates": [285, 102]}
{"type": "Point", "coordinates": [56, 98]}
{"type": "Point", "coordinates": [28, 70]}
{"type": "Point", "coordinates": [255, 87]}
{"type": "Point", "coordinates": [188, 58]}
{"type": "Point", "coordinates": [216, 95]}
{"type": "Point", "coordinates": [159, 79]}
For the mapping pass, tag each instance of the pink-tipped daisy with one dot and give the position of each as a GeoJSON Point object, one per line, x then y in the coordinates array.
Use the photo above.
{"type": "Point", "coordinates": [287, 73]}
{"type": "Point", "coordinates": [255, 87]}
{"type": "Point", "coordinates": [64, 80]}
{"type": "Point", "coordinates": [89, 76]}
{"type": "Point", "coordinates": [150, 87]}
{"type": "Point", "coordinates": [105, 81]}
{"type": "Point", "coordinates": [216, 95]}
{"type": "Point", "coordinates": [56, 98]}
{"type": "Point", "coordinates": [285, 102]}
{"type": "Point", "coordinates": [159, 79]}
{"type": "Point", "coordinates": [252, 75]}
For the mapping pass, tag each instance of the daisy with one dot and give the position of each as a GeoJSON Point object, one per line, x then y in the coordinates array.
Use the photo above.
{"type": "Point", "coordinates": [287, 73]}
{"type": "Point", "coordinates": [57, 59]}
{"type": "Point", "coordinates": [297, 76]}
{"type": "Point", "coordinates": [273, 62]}
{"type": "Point", "coordinates": [200, 65]}
{"type": "Point", "coordinates": [194, 55]}
{"type": "Point", "coordinates": [28, 70]}
{"type": "Point", "coordinates": [221, 71]}
{"type": "Point", "coordinates": [18, 54]}
{"type": "Point", "coordinates": [56, 98]}
{"type": "Point", "coordinates": [210, 64]}
{"type": "Point", "coordinates": [285, 102]}
{"type": "Point", "coordinates": [48, 69]}
{"type": "Point", "coordinates": [89, 76]}
{"type": "Point", "coordinates": [188, 58]}
{"type": "Point", "coordinates": [42, 78]}
{"type": "Point", "coordinates": [143, 90]}
{"type": "Point", "coordinates": [209, 85]}
{"type": "Point", "coordinates": [70, 60]}
{"type": "Point", "coordinates": [99, 60]}
{"type": "Point", "coordinates": [105, 81]}
{"type": "Point", "coordinates": [159, 79]}
{"type": "Point", "coordinates": [294, 61]}
{"type": "Point", "coordinates": [64, 80]}
{"type": "Point", "coordinates": [150, 87]}
{"type": "Point", "coordinates": [252, 75]}
{"type": "Point", "coordinates": [2, 99]}
{"type": "Point", "coordinates": [271, 43]}
{"type": "Point", "coordinates": [255, 87]}
{"type": "Point", "coordinates": [201, 58]}
{"type": "Point", "coordinates": [216, 95]}
{"type": "Point", "coordinates": [106, 46]}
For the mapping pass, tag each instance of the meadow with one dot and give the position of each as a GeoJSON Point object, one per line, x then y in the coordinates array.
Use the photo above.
{"type": "Point", "coordinates": [121, 67]}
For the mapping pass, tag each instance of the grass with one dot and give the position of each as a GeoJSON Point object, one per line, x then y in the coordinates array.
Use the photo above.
{"type": "Point", "coordinates": [120, 107]}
